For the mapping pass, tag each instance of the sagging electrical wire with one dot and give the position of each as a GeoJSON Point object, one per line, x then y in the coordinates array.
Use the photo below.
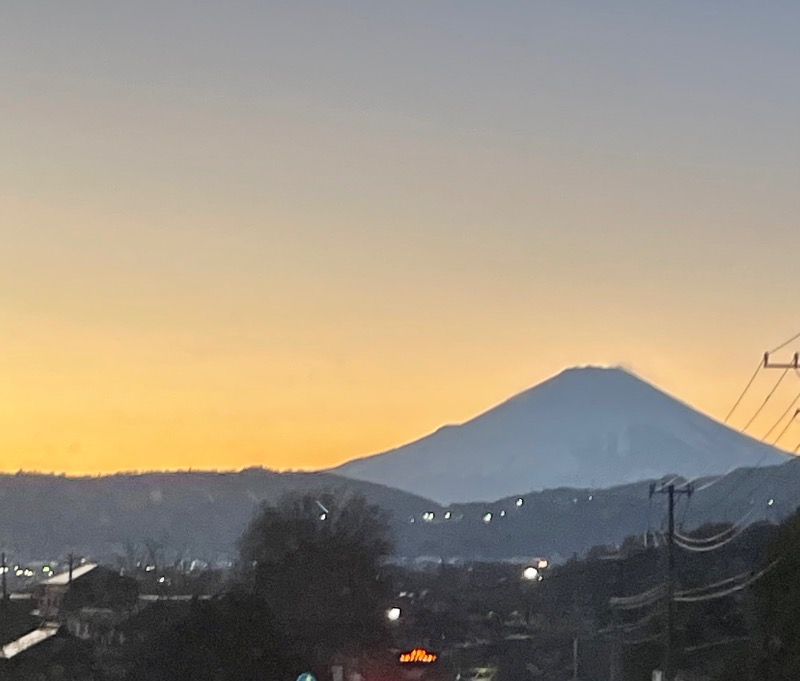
{"type": "Point", "coordinates": [705, 548]}
{"type": "Point", "coordinates": [727, 592]}
{"type": "Point", "coordinates": [717, 537]}
{"type": "Point", "coordinates": [711, 547]}
{"type": "Point", "coordinates": [750, 469]}
{"type": "Point", "coordinates": [714, 644]}
{"type": "Point", "coordinates": [766, 399]}
{"type": "Point", "coordinates": [782, 416]}
{"type": "Point", "coordinates": [744, 392]}
{"type": "Point", "coordinates": [642, 600]}
{"type": "Point", "coordinates": [785, 343]}
{"type": "Point", "coordinates": [714, 585]}
{"type": "Point", "coordinates": [786, 427]}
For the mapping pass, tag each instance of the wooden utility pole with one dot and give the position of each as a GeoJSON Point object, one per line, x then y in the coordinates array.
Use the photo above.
{"type": "Point", "coordinates": [576, 611]}
{"type": "Point", "coordinates": [3, 579]}
{"type": "Point", "coordinates": [614, 666]}
{"type": "Point", "coordinates": [670, 490]}
{"type": "Point", "coordinates": [794, 364]}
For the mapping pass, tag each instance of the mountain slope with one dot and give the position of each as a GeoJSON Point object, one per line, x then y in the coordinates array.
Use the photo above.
{"type": "Point", "coordinates": [586, 427]}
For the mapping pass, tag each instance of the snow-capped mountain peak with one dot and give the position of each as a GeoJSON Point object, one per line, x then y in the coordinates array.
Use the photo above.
{"type": "Point", "coordinates": [585, 427]}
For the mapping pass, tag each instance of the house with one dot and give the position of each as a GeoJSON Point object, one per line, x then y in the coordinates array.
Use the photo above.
{"type": "Point", "coordinates": [89, 601]}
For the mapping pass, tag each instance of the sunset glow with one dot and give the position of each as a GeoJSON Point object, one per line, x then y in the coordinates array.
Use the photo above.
{"type": "Point", "coordinates": [236, 244]}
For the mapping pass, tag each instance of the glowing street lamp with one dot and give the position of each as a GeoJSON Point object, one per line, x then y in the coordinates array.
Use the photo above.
{"type": "Point", "coordinates": [531, 574]}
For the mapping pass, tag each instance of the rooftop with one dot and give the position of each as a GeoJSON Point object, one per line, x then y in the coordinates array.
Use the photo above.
{"type": "Point", "coordinates": [62, 578]}
{"type": "Point", "coordinates": [27, 641]}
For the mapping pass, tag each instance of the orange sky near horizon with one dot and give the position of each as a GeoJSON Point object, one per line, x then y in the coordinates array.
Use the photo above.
{"type": "Point", "coordinates": [296, 233]}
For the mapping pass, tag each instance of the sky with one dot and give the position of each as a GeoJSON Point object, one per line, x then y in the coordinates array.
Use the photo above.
{"type": "Point", "coordinates": [288, 234]}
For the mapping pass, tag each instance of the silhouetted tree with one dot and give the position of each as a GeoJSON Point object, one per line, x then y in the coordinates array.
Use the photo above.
{"type": "Point", "coordinates": [779, 595]}
{"type": "Point", "coordinates": [315, 561]}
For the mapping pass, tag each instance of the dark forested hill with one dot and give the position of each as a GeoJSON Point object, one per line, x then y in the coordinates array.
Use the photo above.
{"type": "Point", "coordinates": [201, 514]}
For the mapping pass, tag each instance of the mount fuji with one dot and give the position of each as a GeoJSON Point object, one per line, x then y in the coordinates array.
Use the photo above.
{"type": "Point", "coordinates": [587, 427]}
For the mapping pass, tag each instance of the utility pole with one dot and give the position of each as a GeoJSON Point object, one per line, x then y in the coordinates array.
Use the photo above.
{"type": "Point", "coordinates": [670, 490]}
{"type": "Point", "coordinates": [71, 565]}
{"type": "Point", "coordinates": [794, 364]}
{"type": "Point", "coordinates": [616, 636]}
{"type": "Point", "coordinates": [575, 639]}
{"type": "Point", "coordinates": [3, 570]}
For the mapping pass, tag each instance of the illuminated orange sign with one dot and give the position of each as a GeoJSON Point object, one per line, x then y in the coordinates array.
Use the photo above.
{"type": "Point", "coordinates": [418, 655]}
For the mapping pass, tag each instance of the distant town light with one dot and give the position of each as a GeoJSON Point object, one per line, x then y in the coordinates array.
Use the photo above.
{"type": "Point", "coordinates": [542, 563]}
{"type": "Point", "coordinates": [428, 516]}
{"type": "Point", "coordinates": [771, 502]}
{"type": "Point", "coordinates": [502, 514]}
{"type": "Point", "coordinates": [487, 517]}
{"type": "Point", "coordinates": [448, 515]}
{"type": "Point", "coordinates": [519, 502]}
{"type": "Point", "coordinates": [393, 614]}
{"type": "Point", "coordinates": [323, 516]}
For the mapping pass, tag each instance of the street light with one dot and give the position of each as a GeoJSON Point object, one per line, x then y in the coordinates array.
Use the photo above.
{"type": "Point", "coordinates": [393, 614]}
{"type": "Point", "coordinates": [531, 574]}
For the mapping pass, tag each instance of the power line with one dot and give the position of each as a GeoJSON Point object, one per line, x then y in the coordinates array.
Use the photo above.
{"type": "Point", "coordinates": [785, 343]}
{"type": "Point", "coordinates": [710, 540]}
{"type": "Point", "coordinates": [766, 399]}
{"type": "Point", "coordinates": [788, 424]}
{"type": "Point", "coordinates": [782, 416]}
{"type": "Point", "coordinates": [744, 392]}
{"type": "Point", "coordinates": [640, 600]}
{"type": "Point", "coordinates": [727, 592]}
{"type": "Point", "coordinates": [715, 585]}
{"type": "Point", "coordinates": [714, 644]}
{"type": "Point", "coordinates": [713, 547]}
